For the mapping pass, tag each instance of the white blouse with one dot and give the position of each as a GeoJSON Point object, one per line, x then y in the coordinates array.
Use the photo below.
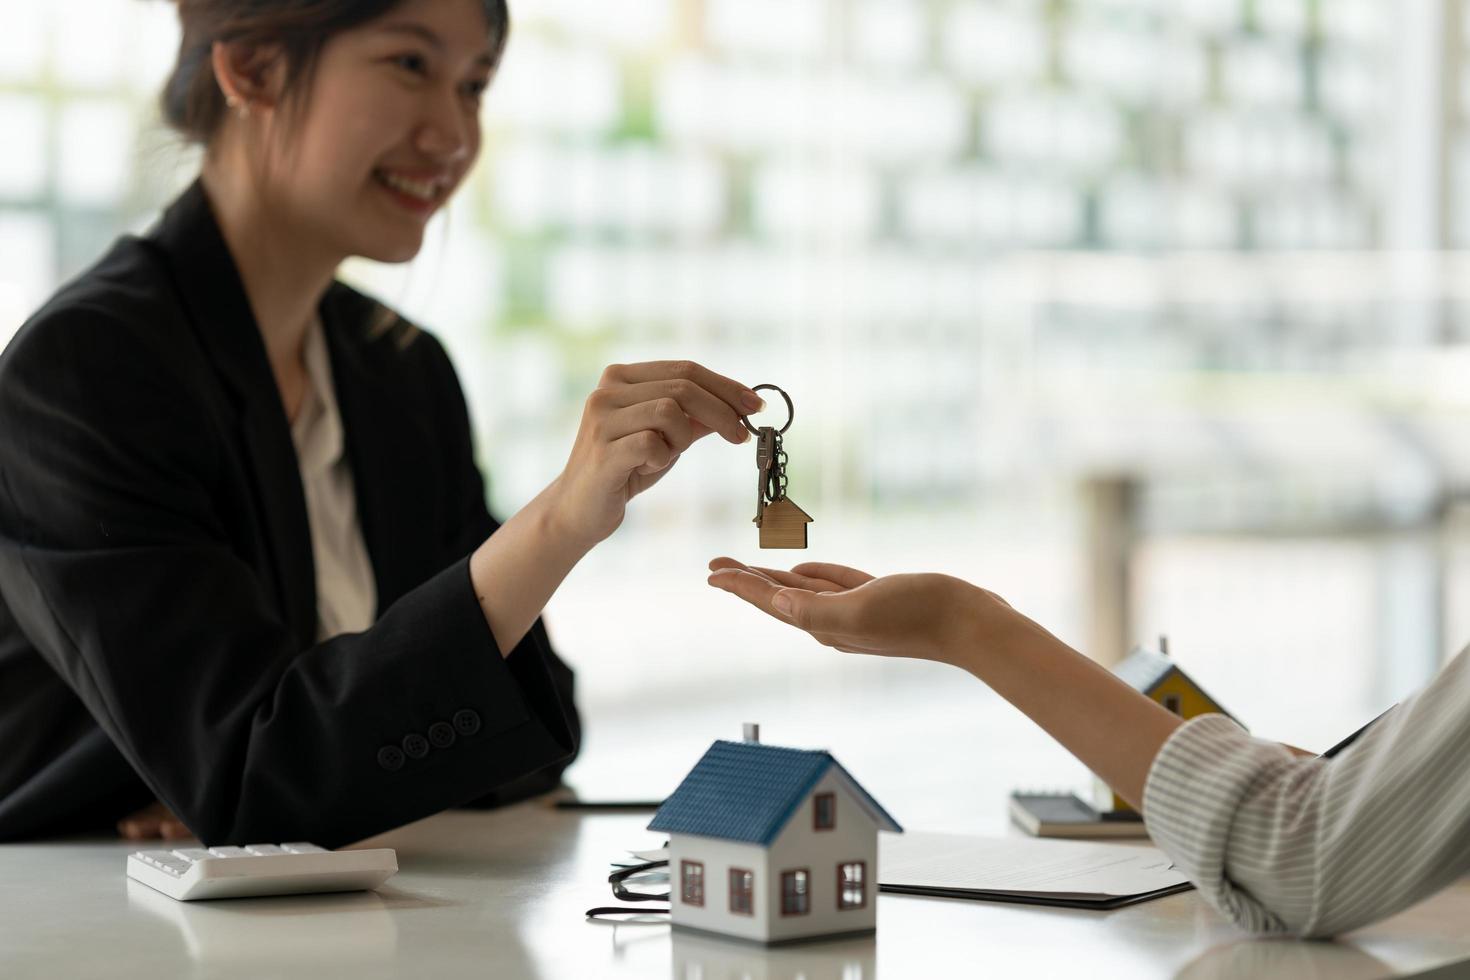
{"type": "Point", "coordinates": [346, 593]}
{"type": "Point", "coordinates": [1317, 847]}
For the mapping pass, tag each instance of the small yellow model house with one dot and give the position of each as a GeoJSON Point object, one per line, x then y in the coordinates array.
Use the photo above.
{"type": "Point", "coordinates": [783, 525]}
{"type": "Point", "coordinates": [1156, 675]}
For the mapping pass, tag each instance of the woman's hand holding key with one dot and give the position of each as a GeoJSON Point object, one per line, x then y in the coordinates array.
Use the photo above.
{"type": "Point", "coordinates": [636, 423]}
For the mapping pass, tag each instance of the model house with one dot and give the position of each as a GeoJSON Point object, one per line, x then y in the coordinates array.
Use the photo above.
{"type": "Point", "coordinates": [1156, 675]}
{"type": "Point", "coordinates": [772, 844]}
{"type": "Point", "coordinates": [783, 525]}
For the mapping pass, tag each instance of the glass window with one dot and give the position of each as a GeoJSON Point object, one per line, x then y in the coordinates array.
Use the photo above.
{"type": "Point", "coordinates": [91, 42]}
{"type": "Point", "coordinates": [691, 879]}
{"type": "Point", "coordinates": [95, 139]}
{"type": "Point", "coordinates": [1171, 703]}
{"type": "Point", "coordinates": [742, 891]}
{"type": "Point", "coordinates": [852, 885]}
{"type": "Point", "coordinates": [23, 43]}
{"type": "Point", "coordinates": [824, 815]}
{"type": "Point", "coordinates": [795, 893]}
{"type": "Point", "coordinates": [24, 164]}
{"type": "Point", "coordinates": [28, 256]}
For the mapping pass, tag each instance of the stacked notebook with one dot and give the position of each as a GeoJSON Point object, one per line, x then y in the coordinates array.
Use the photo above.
{"type": "Point", "coordinates": [1067, 815]}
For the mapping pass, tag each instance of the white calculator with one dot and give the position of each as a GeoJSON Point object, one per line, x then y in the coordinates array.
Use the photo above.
{"type": "Point", "coordinates": [190, 873]}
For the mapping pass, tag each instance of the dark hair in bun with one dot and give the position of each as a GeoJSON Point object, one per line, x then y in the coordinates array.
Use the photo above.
{"type": "Point", "coordinates": [192, 101]}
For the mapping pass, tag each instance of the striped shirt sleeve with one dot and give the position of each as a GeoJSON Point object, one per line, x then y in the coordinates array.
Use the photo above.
{"type": "Point", "coordinates": [1316, 847]}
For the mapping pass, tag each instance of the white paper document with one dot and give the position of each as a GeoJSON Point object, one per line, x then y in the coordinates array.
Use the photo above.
{"type": "Point", "coordinates": [1024, 869]}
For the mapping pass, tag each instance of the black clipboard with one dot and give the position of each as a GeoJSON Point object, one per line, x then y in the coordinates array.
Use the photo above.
{"type": "Point", "coordinates": [1353, 737]}
{"type": "Point", "coordinates": [1012, 898]}
{"type": "Point", "coordinates": [1071, 874]}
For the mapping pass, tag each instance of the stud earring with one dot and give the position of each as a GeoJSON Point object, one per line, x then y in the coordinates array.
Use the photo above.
{"type": "Point", "coordinates": [238, 106]}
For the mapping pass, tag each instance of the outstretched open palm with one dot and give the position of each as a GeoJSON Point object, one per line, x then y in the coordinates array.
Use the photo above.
{"type": "Point", "coordinates": [848, 609]}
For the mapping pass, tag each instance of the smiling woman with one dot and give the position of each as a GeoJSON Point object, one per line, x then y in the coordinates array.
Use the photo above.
{"type": "Point", "coordinates": [247, 573]}
{"type": "Point", "coordinates": [347, 86]}
{"type": "Point", "coordinates": [193, 102]}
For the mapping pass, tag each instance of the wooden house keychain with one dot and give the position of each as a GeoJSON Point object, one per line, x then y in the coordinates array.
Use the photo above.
{"type": "Point", "coordinates": [782, 524]}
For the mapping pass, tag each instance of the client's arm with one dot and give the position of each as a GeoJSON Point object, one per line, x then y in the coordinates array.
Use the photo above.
{"type": "Point", "coordinates": [937, 617]}
{"type": "Point", "coordinates": [1276, 841]}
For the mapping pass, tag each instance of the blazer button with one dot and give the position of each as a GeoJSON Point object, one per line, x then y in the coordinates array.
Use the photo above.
{"type": "Point", "coordinates": [441, 734]}
{"type": "Point", "coordinates": [390, 757]}
{"type": "Point", "coordinates": [415, 745]}
{"type": "Point", "coordinates": [466, 721]}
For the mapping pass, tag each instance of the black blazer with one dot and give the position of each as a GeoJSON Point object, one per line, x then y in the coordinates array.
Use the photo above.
{"type": "Point", "coordinates": [157, 590]}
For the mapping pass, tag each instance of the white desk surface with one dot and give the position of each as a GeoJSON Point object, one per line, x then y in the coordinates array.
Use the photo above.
{"type": "Point", "coordinates": [502, 894]}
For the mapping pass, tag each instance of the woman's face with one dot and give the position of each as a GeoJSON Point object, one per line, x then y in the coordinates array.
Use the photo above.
{"type": "Point", "coordinates": [389, 129]}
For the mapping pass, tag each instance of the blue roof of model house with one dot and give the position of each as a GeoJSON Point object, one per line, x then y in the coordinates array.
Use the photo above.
{"type": "Point", "coordinates": [746, 791]}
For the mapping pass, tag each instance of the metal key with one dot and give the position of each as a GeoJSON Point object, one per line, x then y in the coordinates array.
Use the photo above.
{"type": "Point", "coordinates": [782, 523]}
{"type": "Point", "coordinates": [766, 445]}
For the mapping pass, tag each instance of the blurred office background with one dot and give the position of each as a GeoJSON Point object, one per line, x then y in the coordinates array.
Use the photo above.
{"type": "Point", "coordinates": [1150, 316]}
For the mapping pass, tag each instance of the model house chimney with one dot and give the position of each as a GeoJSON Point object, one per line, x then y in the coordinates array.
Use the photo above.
{"type": "Point", "coordinates": [752, 732]}
{"type": "Point", "coordinates": [1164, 645]}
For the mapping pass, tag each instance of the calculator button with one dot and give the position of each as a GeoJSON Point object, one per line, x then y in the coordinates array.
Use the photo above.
{"type": "Point", "coordinates": [192, 853]}
{"type": "Point", "coordinates": [227, 852]}
{"type": "Point", "coordinates": [302, 847]}
{"type": "Point", "coordinates": [166, 861]}
{"type": "Point", "coordinates": [415, 745]}
{"type": "Point", "coordinates": [466, 721]}
{"type": "Point", "coordinates": [441, 734]}
{"type": "Point", "coordinates": [261, 850]}
{"type": "Point", "coordinates": [391, 758]}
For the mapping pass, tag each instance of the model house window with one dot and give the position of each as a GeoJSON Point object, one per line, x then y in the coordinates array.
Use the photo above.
{"type": "Point", "coordinates": [742, 888]}
{"type": "Point", "coordinates": [691, 877]}
{"type": "Point", "coordinates": [795, 893]}
{"type": "Point", "coordinates": [1171, 702]}
{"type": "Point", "coordinates": [852, 885]}
{"type": "Point", "coordinates": [824, 811]}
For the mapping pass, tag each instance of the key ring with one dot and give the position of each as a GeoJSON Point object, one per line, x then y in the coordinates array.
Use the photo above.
{"type": "Point", "coordinates": [790, 410]}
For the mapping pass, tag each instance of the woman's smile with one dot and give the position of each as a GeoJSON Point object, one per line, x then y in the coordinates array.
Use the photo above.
{"type": "Point", "coordinates": [418, 193]}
